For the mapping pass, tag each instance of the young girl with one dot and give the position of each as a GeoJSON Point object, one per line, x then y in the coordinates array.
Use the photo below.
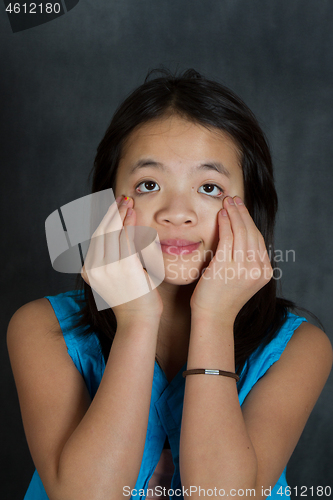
{"type": "Point", "coordinates": [187, 158]}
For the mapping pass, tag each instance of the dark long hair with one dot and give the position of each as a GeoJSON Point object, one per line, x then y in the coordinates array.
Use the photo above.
{"type": "Point", "coordinates": [213, 105]}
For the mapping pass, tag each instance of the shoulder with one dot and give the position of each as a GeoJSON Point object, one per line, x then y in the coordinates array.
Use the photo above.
{"type": "Point", "coordinates": [52, 314]}
{"type": "Point", "coordinates": [32, 325]}
{"type": "Point", "coordinates": [311, 349]}
{"type": "Point", "coordinates": [306, 360]}
{"type": "Point", "coordinates": [38, 313]}
{"type": "Point", "coordinates": [306, 332]}
{"type": "Point", "coordinates": [298, 376]}
{"type": "Point", "coordinates": [39, 309]}
{"type": "Point", "coordinates": [301, 354]}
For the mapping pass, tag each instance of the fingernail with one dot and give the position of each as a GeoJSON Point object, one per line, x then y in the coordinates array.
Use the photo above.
{"type": "Point", "coordinates": [129, 211]}
{"type": "Point", "coordinates": [118, 200]}
{"type": "Point", "coordinates": [224, 212]}
{"type": "Point", "coordinates": [238, 200]}
{"type": "Point", "coordinates": [125, 200]}
{"type": "Point", "coordinates": [230, 200]}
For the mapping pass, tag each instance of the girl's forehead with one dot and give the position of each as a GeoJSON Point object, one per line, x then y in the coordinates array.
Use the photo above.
{"type": "Point", "coordinates": [175, 138]}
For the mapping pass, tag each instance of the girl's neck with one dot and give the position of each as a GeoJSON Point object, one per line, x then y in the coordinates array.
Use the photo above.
{"type": "Point", "coordinates": [175, 326]}
{"type": "Point", "coordinates": [176, 304]}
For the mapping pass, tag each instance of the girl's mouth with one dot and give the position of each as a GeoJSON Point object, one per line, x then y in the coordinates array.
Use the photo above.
{"type": "Point", "coordinates": [178, 247]}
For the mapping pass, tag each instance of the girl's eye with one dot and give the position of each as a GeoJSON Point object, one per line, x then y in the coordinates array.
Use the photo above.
{"type": "Point", "coordinates": [210, 189]}
{"type": "Point", "coordinates": [146, 187]}
{"type": "Point", "coordinates": [149, 187]}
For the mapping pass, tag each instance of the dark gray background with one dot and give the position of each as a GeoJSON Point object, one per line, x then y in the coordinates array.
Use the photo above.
{"type": "Point", "coordinates": [62, 81]}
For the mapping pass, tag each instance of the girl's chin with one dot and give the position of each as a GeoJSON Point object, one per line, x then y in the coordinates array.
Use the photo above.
{"type": "Point", "coordinates": [180, 275]}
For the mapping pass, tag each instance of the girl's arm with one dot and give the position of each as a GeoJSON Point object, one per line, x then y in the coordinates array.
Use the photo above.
{"type": "Point", "coordinates": [82, 449]}
{"type": "Point", "coordinates": [222, 445]}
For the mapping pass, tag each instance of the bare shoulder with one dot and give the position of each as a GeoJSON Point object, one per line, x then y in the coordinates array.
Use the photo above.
{"type": "Point", "coordinates": [312, 347]}
{"type": "Point", "coordinates": [300, 373]}
{"type": "Point", "coordinates": [35, 342]}
{"type": "Point", "coordinates": [40, 310]}
{"type": "Point", "coordinates": [306, 360]}
{"type": "Point", "coordinates": [32, 323]}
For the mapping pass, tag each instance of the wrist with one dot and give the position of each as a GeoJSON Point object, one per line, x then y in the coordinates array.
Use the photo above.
{"type": "Point", "coordinates": [208, 318]}
{"type": "Point", "coordinates": [138, 320]}
{"type": "Point", "coordinates": [211, 344]}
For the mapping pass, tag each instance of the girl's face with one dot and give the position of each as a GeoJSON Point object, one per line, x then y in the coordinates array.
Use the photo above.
{"type": "Point", "coordinates": [178, 173]}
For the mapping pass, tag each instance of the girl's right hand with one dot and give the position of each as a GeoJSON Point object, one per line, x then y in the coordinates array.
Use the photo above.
{"type": "Point", "coordinates": [113, 269]}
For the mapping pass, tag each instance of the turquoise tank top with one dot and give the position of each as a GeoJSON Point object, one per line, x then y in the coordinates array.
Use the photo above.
{"type": "Point", "coordinates": [166, 398]}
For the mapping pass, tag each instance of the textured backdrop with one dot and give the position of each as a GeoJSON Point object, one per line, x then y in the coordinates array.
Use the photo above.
{"type": "Point", "coordinates": [60, 84]}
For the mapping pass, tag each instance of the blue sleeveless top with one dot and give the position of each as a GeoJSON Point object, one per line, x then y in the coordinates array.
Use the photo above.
{"type": "Point", "coordinates": [166, 398]}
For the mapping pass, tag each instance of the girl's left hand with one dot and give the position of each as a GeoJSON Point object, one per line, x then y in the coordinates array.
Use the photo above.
{"type": "Point", "coordinates": [239, 268]}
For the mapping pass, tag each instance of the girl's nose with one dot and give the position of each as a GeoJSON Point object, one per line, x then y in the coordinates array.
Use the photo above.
{"type": "Point", "coordinates": [177, 212]}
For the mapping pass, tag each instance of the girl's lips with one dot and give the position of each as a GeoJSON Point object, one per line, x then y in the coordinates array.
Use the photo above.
{"type": "Point", "coordinates": [178, 247]}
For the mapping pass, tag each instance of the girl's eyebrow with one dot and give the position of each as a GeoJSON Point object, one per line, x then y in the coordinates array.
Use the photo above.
{"type": "Point", "coordinates": [210, 165]}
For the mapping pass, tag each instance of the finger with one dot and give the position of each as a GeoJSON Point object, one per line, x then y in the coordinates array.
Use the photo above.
{"type": "Point", "coordinates": [113, 229]}
{"type": "Point", "coordinates": [265, 262]}
{"type": "Point", "coordinates": [126, 239]}
{"type": "Point", "coordinates": [106, 237]}
{"type": "Point", "coordinates": [130, 217]}
{"type": "Point", "coordinates": [238, 228]}
{"type": "Point", "coordinates": [96, 252]}
{"type": "Point", "coordinates": [251, 228]}
{"type": "Point", "coordinates": [263, 254]}
{"type": "Point", "coordinates": [116, 222]}
{"type": "Point", "coordinates": [112, 210]}
{"type": "Point", "coordinates": [224, 248]}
